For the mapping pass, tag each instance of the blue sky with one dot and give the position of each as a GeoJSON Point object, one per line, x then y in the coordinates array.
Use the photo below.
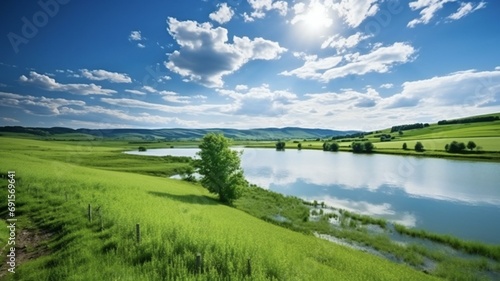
{"type": "Point", "coordinates": [338, 64]}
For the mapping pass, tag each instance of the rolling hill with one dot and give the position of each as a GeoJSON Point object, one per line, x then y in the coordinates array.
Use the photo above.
{"type": "Point", "coordinates": [171, 134]}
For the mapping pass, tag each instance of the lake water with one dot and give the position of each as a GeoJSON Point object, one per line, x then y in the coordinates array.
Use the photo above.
{"type": "Point", "coordinates": [461, 198]}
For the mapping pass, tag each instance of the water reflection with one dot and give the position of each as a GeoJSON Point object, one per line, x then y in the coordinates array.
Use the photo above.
{"type": "Point", "coordinates": [460, 198]}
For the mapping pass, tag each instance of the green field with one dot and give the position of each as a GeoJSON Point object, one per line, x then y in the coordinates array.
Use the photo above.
{"type": "Point", "coordinates": [177, 221]}
{"type": "Point", "coordinates": [486, 135]}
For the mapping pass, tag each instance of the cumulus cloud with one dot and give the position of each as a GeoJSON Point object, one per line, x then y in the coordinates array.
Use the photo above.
{"type": "Point", "coordinates": [380, 60]}
{"type": "Point", "coordinates": [258, 101]}
{"type": "Point", "coordinates": [471, 88]}
{"type": "Point", "coordinates": [354, 12]}
{"type": "Point", "coordinates": [260, 7]}
{"type": "Point", "coordinates": [205, 55]}
{"type": "Point", "coordinates": [387, 86]}
{"type": "Point", "coordinates": [50, 84]}
{"type": "Point", "coordinates": [223, 15]}
{"type": "Point", "coordinates": [101, 74]}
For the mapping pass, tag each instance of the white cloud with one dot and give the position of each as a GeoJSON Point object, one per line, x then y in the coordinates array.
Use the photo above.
{"type": "Point", "coordinates": [258, 101]}
{"type": "Point", "coordinates": [205, 54]}
{"type": "Point", "coordinates": [188, 109]}
{"type": "Point", "coordinates": [429, 9]}
{"type": "Point", "coordinates": [40, 106]}
{"type": "Point", "coordinates": [260, 7]}
{"type": "Point", "coordinates": [50, 84]}
{"type": "Point", "coordinates": [466, 88]}
{"type": "Point", "coordinates": [387, 86]}
{"type": "Point", "coordinates": [135, 36]}
{"type": "Point", "coordinates": [354, 12]}
{"type": "Point", "coordinates": [100, 75]}
{"type": "Point", "coordinates": [380, 60]}
{"type": "Point", "coordinates": [342, 44]}
{"type": "Point", "coordinates": [223, 15]}
{"type": "Point", "coordinates": [10, 120]}
{"type": "Point", "coordinates": [135, 92]}
{"type": "Point", "coordinates": [465, 9]}
{"type": "Point", "coordinates": [312, 67]}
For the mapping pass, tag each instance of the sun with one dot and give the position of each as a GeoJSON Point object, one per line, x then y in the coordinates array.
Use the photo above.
{"type": "Point", "coordinates": [316, 19]}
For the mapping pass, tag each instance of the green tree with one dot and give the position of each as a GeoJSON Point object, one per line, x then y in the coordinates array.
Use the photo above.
{"type": "Point", "coordinates": [419, 147]}
{"type": "Point", "coordinates": [405, 146]}
{"type": "Point", "coordinates": [299, 146]}
{"type": "Point", "coordinates": [280, 145]}
{"type": "Point", "coordinates": [456, 147]}
{"type": "Point", "coordinates": [368, 147]}
{"type": "Point", "coordinates": [220, 167]}
{"type": "Point", "coordinates": [334, 146]}
{"type": "Point", "coordinates": [471, 145]}
{"type": "Point", "coordinates": [357, 147]}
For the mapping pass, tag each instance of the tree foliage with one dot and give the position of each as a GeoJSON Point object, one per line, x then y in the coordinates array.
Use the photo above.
{"type": "Point", "coordinates": [220, 167]}
{"type": "Point", "coordinates": [327, 146]}
{"type": "Point", "coordinates": [419, 147]}
{"type": "Point", "coordinates": [456, 147]}
{"type": "Point", "coordinates": [405, 146]}
{"type": "Point", "coordinates": [362, 147]}
{"type": "Point", "coordinates": [280, 145]}
{"type": "Point", "coordinates": [471, 145]}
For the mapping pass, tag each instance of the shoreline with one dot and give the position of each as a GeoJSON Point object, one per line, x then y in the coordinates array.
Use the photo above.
{"type": "Point", "coordinates": [482, 157]}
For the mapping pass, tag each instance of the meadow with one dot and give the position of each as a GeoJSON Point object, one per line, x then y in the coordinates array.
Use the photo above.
{"type": "Point", "coordinates": [486, 135]}
{"type": "Point", "coordinates": [56, 182]}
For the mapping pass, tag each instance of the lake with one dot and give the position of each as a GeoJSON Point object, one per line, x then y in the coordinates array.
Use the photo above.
{"type": "Point", "coordinates": [461, 198]}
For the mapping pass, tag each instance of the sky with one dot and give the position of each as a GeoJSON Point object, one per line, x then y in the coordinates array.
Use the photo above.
{"type": "Point", "coordinates": [334, 64]}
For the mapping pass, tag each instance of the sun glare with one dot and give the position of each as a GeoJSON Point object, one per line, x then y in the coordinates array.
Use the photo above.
{"type": "Point", "coordinates": [316, 19]}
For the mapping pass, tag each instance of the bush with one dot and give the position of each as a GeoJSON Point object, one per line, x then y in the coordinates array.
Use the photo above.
{"type": "Point", "coordinates": [142, 148]}
{"type": "Point", "coordinates": [405, 146]}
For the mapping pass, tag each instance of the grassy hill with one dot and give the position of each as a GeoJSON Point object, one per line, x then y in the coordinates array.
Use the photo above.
{"type": "Point", "coordinates": [434, 137]}
{"type": "Point", "coordinates": [177, 220]}
{"type": "Point", "coordinates": [57, 133]}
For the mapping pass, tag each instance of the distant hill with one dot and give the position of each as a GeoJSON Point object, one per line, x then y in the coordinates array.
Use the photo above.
{"type": "Point", "coordinates": [173, 134]}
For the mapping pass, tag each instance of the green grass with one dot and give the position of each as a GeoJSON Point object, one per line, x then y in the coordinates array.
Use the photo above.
{"type": "Point", "coordinates": [177, 220]}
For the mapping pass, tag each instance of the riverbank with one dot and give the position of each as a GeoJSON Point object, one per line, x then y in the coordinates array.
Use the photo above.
{"type": "Point", "coordinates": [440, 255]}
{"type": "Point", "coordinates": [485, 156]}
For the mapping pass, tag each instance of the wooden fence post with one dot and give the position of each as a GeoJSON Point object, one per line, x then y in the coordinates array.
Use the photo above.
{"type": "Point", "coordinates": [138, 232]}
{"type": "Point", "coordinates": [249, 267]}
{"type": "Point", "coordinates": [90, 213]}
{"type": "Point", "coordinates": [198, 263]}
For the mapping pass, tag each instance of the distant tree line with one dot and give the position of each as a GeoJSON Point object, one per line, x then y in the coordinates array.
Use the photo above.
{"type": "Point", "coordinates": [469, 120]}
{"type": "Point", "coordinates": [409, 127]}
{"type": "Point", "coordinates": [355, 135]}
{"type": "Point", "coordinates": [459, 147]}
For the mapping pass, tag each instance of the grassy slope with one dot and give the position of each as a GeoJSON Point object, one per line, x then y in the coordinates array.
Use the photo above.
{"type": "Point", "coordinates": [434, 138]}
{"type": "Point", "coordinates": [177, 220]}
